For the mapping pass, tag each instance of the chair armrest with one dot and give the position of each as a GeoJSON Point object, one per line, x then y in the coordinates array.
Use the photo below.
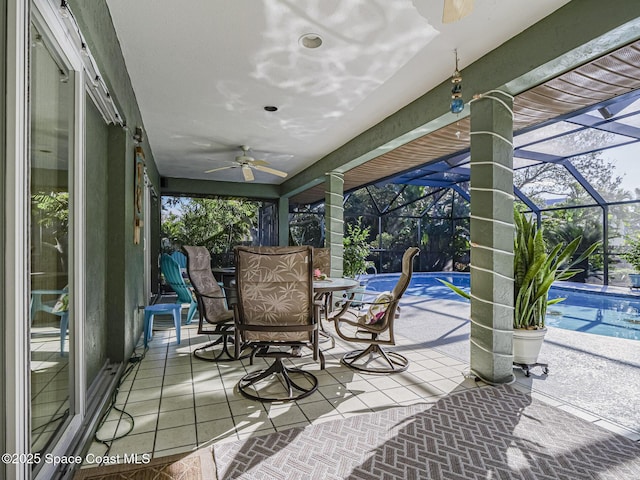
{"type": "Point", "coordinates": [348, 301]}
{"type": "Point", "coordinates": [221, 297]}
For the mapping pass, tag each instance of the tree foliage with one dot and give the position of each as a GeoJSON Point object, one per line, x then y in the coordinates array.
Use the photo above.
{"type": "Point", "coordinates": [356, 249]}
{"type": "Point", "coordinates": [52, 211]}
{"type": "Point", "coordinates": [218, 224]}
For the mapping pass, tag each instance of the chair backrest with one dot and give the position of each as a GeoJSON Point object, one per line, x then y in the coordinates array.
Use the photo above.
{"type": "Point", "coordinates": [180, 259]}
{"type": "Point", "coordinates": [400, 287]}
{"type": "Point", "coordinates": [322, 260]}
{"type": "Point", "coordinates": [173, 275]}
{"type": "Point", "coordinates": [211, 298]}
{"type": "Point", "coordinates": [407, 271]}
{"type": "Point", "coordinates": [275, 293]}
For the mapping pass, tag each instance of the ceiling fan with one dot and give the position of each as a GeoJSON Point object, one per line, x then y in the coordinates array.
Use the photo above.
{"type": "Point", "coordinates": [454, 10]}
{"type": "Point", "coordinates": [246, 163]}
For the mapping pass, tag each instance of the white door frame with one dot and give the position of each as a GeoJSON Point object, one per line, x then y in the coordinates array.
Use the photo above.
{"type": "Point", "coordinates": [16, 275]}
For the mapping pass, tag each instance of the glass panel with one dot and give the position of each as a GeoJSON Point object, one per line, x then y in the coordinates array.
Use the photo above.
{"type": "Point", "coordinates": [359, 203]}
{"type": "Point", "coordinates": [578, 142]}
{"type": "Point", "coordinates": [523, 162]}
{"type": "Point", "coordinates": [307, 228]}
{"type": "Point", "coordinates": [398, 233]}
{"type": "Point", "coordinates": [551, 185]}
{"type": "Point", "coordinates": [624, 224]}
{"type": "Point", "coordinates": [544, 133]}
{"type": "Point", "coordinates": [51, 103]}
{"type": "Point", "coordinates": [632, 121]}
{"type": "Point", "coordinates": [618, 175]}
{"type": "Point", "coordinates": [563, 226]}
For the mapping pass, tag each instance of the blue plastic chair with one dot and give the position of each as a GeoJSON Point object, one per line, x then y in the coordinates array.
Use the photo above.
{"type": "Point", "coordinates": [174, 309]}
{"type": "Point", "coordinates": [38, 304]}
{"type": "Point", "coordinates": [173, 276]}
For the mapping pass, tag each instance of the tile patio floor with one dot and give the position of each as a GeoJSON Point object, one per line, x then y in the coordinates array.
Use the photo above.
{"type": "Point", "coordinates": [179, 403]}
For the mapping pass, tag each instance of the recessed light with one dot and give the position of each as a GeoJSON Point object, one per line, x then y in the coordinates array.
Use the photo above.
{"type": "Point", "coordinates": [310, 40]}
{"type": "Point", "coordinates": [271, 108]}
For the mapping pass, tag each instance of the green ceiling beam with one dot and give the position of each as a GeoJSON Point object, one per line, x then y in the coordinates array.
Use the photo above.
{"type": "Point", "coordinates": [573, 35]}
{"type": "Point", "coordinates": [190, 187]}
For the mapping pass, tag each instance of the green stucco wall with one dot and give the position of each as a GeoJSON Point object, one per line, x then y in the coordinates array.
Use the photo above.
{"type": "Point", "coordinates": [123, 267]}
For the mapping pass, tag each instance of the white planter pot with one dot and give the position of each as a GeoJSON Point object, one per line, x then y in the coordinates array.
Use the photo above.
{"type": "Point", "coordinates": [527, 344]}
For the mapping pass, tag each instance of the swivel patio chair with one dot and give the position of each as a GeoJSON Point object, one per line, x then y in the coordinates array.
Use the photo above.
{"type": "Point", "coordinates": [374, 326]}
{"type": "Point", "coordinates": [173, 276]}
{"type": "Point", "coordinates": [276, 316]}
{"type": "Point", "coordinates": [322, 262]}
{"type": "Point", "coordinates": [215, 317]}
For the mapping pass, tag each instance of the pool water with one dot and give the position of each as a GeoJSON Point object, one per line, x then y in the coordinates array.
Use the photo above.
{"type": "Point", "coordinates": [597, 313]}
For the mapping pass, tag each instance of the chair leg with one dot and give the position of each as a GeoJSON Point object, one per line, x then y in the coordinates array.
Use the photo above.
{"type": "Point", "coordinates": [374, 353]}
{"type": "Point", "coordinates": [177, 320]}
{"type": "Point", "coordinates": [192, 312]}
{"type": "Point", "coordinates": [148, 327]}
{"type": "Point", "coordinates": [64, 324]}
{"type": "Point", "coordinates": [225, 343]}
{"type": "Point", "coordinates": [248, 385]}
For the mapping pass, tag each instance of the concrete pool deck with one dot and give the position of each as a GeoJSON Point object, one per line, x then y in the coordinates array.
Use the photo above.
{"type": "Point", "coordinates": [592, 376]}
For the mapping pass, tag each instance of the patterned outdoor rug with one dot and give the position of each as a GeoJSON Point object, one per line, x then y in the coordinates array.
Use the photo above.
{"type": "Point", "coordinates": [185, 466]}
{"type": "Point", "coordinates": [483, 433]}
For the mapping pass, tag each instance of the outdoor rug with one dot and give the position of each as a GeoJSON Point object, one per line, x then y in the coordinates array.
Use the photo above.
{"type": "Point", "coordinates": [185, 466]}
{"type": "Point", "coordinates": [482, 433]}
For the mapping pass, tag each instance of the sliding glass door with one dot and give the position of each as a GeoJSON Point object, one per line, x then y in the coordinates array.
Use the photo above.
{"type": "Point", "coordinates": [51, 98]}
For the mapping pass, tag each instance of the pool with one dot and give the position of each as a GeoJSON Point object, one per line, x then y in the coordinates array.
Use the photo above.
{"type": "Point", "coordinates": [582, 311]}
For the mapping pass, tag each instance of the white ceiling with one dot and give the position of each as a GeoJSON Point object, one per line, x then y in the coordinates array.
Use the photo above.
{"type": "Point", "coordinates": [202, 71]}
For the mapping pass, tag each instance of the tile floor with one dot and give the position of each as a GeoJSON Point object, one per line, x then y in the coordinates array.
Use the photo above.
{"type": "Point", "coordinates": [174, 402]}
{"type": "Point", "coordinates": [179, 403]}
{"type": "Point", "coordinates": [50, 384]}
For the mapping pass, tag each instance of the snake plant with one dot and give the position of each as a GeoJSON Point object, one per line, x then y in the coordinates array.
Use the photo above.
{"type": "Point", "coordinates": [535, 268]}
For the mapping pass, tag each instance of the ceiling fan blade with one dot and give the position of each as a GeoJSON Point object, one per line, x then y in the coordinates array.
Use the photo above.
{"type": "Point", "coordinates": [272, 171]}
{"type": "Point", "coordinates": [454, 10]}
{"type": "Point", "coordinates": [219, 168]}
{"type": "Point", "coordinates": [259, 162]}
{"type": "Point", "coordinates": [248, 174]}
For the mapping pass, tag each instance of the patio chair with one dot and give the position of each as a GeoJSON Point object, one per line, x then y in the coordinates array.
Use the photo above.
{"type": "Point", "coordinates": [322, 262]}
{"type": "Point", "coordinates": [276, 316]}
{"type": "Point", "coordinates": [212, 307]}
{"type": "Point", "coordinates": [59, 307]}
{"type": "Point", "coordinates": [180, 259]}
{"type": "Point", "coordinates": [374, 326]}
{"type": "Point", "coordinates": [173, 276]}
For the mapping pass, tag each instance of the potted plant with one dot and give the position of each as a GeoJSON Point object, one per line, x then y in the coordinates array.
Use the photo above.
{"type": "Point", "coordinates": [356, 250]}
{"type": "Point", "coordinates": [632, 255]}
{"type": "Point", "coordinates": [535, 269]}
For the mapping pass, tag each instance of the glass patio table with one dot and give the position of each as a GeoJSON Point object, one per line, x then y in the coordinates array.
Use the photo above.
{"type": "Point", "coordinates": [324, 289]}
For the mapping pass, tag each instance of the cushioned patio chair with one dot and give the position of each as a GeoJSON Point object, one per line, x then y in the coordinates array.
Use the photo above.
{"type": "Point", "coordinates": [173, 276]}
{"type": "Point", "coordinates": [374, 326]}
{"type": "Point", "coordinates": [322, 262]}
{"type": "Point", "coordinates": [276, 316]}
{"type": "Point", "coordinates": [215, 317]}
